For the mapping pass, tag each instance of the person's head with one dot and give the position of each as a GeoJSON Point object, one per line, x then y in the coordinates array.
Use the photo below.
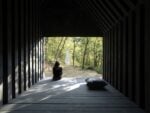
{"type": "Point", "coordinates": [57, 64]}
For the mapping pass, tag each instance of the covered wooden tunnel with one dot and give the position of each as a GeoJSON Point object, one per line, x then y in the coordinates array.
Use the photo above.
{"type": "Point", "coordinates": [124, 24]}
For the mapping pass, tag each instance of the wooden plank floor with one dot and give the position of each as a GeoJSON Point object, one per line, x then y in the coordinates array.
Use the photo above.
{"type": "Point", "coordinates": [70, 95]}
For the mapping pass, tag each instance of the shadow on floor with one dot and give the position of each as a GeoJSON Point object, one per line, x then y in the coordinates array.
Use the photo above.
{"type": "Point", "coordinates": [70, 95]}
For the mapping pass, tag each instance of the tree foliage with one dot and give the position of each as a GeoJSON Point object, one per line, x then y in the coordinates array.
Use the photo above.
{"type": "Point", "coordinates": [86, 52]}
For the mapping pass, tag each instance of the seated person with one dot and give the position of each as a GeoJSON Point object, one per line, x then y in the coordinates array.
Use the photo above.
{"type": "Point", "coordinates": [57, 71]}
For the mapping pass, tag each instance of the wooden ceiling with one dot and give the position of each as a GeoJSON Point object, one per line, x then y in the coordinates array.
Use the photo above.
{"type": "Point", "coordinates": [83, 17]}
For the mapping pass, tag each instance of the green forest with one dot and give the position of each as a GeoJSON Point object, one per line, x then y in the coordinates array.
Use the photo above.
{"type": "Point", "coordinates": [83, 52]}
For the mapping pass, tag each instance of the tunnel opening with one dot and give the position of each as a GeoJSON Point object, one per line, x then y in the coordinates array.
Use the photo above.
{"type": "Point", "coordinates": [78, 56]}
{"type": "Point", "coordinates": [124, 24]}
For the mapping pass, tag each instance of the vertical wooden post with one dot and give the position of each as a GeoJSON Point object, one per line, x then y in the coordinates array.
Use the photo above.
{"type": "Point", "coordinates": [5, 59]}
{"type": "Point", "coordinates": [1, 56]}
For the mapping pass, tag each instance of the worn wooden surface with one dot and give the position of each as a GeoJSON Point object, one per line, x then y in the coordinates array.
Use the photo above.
{"type": "Point", "coordinates": [70, 95]}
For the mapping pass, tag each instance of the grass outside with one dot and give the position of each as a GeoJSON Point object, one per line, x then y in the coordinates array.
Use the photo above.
{"type": "Point", "coordinates": [70, 71]}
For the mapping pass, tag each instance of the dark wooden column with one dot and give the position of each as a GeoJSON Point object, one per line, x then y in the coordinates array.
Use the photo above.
{"type": "Point", "coordinates": [36, 40]}
{"type": "Point", "coordinates": [147, 51]}
{"type": "Point", "coordinates": [129, 55]}
{"type": "Point", "coordinates": [20, 81]}
{"type": "Point", "coordinates": [15, 52]}
{"type": "Point", "coordinates": [33, 41]}
{"type": "Point", "coordinates": [121, 56]}
{"type": "Point", "coordinates": [9, 50]}
{"type": "Point", "coordinates": [40, 57]}
{"type": "Point", "coordinates": [134, 63]}
{"type": "Point", "coordinates": [143, 65]}
{"type": "Point", "coordinates": [1, 55]}
{"type": "Point", "coordinates": [111, 57]}
{"type": "Point", "coordinates": [5, 59]}
{"type": "Point", "coordinates": [29, 43]}
{"type": "Point", "coordinates": [109, 61]}
{"type": "Point", "coordinates": [37, 60]}
{"type": "Point", "coordinates": [25, 40]}
{"type": "Point", "coordinates": [115, 56]}
{"type": "Point", "coordinates": [108, 58]}
{"type": "Point", "coordinates": [22, 39]}
{"type": "Point", "coordinates": [13, 43]}
{"type": "Point", "coordinates": [112, 66]}
{"type": "Point", "coordinates": [42, 54]}
{"type": "Point", "coordinates": [124, 56]}
{"type": "Point", "coordinates": [26, 80]}
{"type": "Point", "coordinates": [138, 59]}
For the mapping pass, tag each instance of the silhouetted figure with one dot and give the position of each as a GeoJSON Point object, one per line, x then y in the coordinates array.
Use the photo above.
{"type": "Point", "coordinates": [57, 71]}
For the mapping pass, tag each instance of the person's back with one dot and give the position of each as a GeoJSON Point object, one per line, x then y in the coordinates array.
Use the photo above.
{"type": "Point", "coordinates": [57, 71]}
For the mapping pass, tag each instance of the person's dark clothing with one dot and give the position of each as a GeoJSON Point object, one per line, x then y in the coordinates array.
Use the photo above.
{"type": "Point", "coordinates": [57, 71]}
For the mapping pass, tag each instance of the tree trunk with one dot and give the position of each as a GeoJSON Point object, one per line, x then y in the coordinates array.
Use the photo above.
{"type": "Point", "coordinates": [56, 55]}
{"type": "Point", "coordinates": [74, 51]}
{"type": "Point", "coordinates": [62, 46]}
{"type": "Point", "coordinates": [85, 51]}
{"type": "Point", "coordinates": [94, 51]}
